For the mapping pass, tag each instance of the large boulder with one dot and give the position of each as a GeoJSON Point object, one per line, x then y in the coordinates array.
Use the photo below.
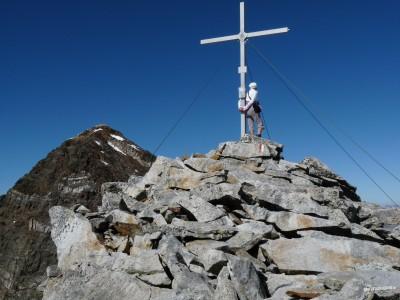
{"type": "Point", "coordinates": [242, 150]}
{"type": "Point", "coordinates": [73, 237]}
{"type": "Point", "coordinates": [320, 252]}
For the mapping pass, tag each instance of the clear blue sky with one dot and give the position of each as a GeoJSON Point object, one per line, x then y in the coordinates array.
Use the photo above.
{"type": "Point", "coordinates": [135, 65]}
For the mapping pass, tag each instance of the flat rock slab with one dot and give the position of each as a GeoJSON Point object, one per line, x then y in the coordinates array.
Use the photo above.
{"type": "Point", "coordinates": [198, 230]}
{"type": "Point", "coordinates": [288, 221]}
{"type": "Point", "coordinates": [320, 252]}
{"type": "Point", "coordinates": [279, 284]}
{"type": "Point", "coordinates": [373, 278]}
{"type": "Point", "coordinates": [288, 198]}
{"type": "Point", "coordinates": [242, 150]}
{"type": "Point", "coordinates": [199, 246]}
{"type": "Point", "coordinates": [204, 165]}
{"type": "Point", "coordinates": [201, 209]}
{"type": "Point", "coordinates": [214, 192]}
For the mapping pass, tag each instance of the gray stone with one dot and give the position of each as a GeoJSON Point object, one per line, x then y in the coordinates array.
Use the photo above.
{"type": "Point", "coordinates": [183, 179]}
{"type": "Point", "coordinates": [102, 284]}
{"type": "Point", "coordinates": [213, 260]}
{"type": "Point", "coordinates": [244, 175]}
{"type": "Point", "coordinates": [387, 216]}
{"type": "Point", "coordinates": [353, 289]}
{"type": "Point", "coordinates": [161, 168]}
{"type": "Point", "coordinates": [224, 191]}
{"type": "Point", "coordinates": [257, 227]}
{"type": "Point", "coordinates": [82, 210]}
{"type": "Point", "coordinates": [225, 289]}
{"type": "Point", "coordinates": [197, 269]}
{"type": "Point", "coordinates": [204, 165]}
{"type": "Point", "coordinates": [256, 212]}
{"type": "Point", "coordinates": [198, 230]}
{"type": "Point", "coordinates": [242, 150]}
{"type": "Point", "coordinates": [201, 210]}
{"type": "Point", "coordinates": [110, 201]}
{"type": "Point", "coordinates": [199, 246]}
{"type": "Point", "coordinates": [124, 223]}
{"type": "Point", "coordinates": [250, 234]}
{"type": "Point", "coordinates": [374, 279]}
{"type": "Point", "coordinates": [323, 253]}
{"type": "Point", "coordinates": [279, 284]}
{"type": "Point", "coordinates": [122, 217]}
{"type": "Point", "coordinates": [339, 217]}
{"type": "Point", "coordinates": [395, 234]}
{"type": "Point", "coordinates": [224, 221]}
{"type": "Point", "coordinates": [245, 279]}
{"type": "Point", "coordinates": [53, 271]}
{"type": "Point", "coordinates": [288, 221]}
{"type": "Point", "coordinates": [165, 197]}
{"type": "Point", "coordinates": [72, 234]}
{"type": "Point", "coordinates": [132, 205]}
{"type": "Point", "coordinates": [362, 232]}
{"type": "Point", "coordinates": [115, 242]}
{"type": "Point", "coordinates": [187, 284]}
{"type": "Point", "coordinates": [173, 253]}
{"type": "Point", "coordinates": [146, 265]}
{"type": "Point", "coordinates": [285, 198]}
{"type": "Point", "coordinates": [144, 242]}
{"type": "Point", "coordinates": [244, 240]}
{"type": "Point", "coordinates": [258, 264]}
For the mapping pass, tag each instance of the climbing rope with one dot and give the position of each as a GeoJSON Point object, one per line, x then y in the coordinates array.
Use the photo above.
{"type": "Point", "coordinates": [301, 98]}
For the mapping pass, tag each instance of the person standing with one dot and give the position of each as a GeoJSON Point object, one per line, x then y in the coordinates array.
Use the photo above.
{"type": "Point", "coordinates": [252, 109]}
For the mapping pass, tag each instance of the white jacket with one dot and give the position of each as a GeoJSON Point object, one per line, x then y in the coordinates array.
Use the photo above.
{"type": "Point", "coordinates": [251, 96]}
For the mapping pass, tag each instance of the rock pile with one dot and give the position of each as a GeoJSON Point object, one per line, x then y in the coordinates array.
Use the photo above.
{"type": "Point", "coordinates": [237, 223]}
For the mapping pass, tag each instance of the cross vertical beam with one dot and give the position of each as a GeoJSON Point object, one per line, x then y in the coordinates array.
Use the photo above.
{"type": "Point", "coordinates": [242, 36]}
{"type": "Point", "coordinates": [242, 70]}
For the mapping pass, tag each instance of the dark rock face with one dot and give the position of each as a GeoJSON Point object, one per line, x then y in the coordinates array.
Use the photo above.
{"type": "Point", "coordinates": [72, 173]}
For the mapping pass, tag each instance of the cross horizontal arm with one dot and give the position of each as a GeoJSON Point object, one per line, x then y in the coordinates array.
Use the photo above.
{"type": "Point", "coordinates": [267, 32]}
{"type": "Point", "coordinates": [220, 39]}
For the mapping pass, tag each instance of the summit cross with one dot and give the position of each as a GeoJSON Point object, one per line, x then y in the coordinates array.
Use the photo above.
{"type": "Point", "coordinates": [243, 36]}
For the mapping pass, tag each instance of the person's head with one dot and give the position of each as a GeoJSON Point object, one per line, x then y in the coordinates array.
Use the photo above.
{"type": "Point", "coordinates": [253, 85]}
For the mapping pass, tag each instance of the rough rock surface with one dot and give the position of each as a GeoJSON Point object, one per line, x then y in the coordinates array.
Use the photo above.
{"type": "Point", "coordinates": [237, 223]}
{"type": "Point", "coordinates": [71, 174]}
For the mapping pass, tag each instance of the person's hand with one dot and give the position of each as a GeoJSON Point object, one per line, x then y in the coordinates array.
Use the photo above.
{"type": "Point", "coordinates": [241, 109]}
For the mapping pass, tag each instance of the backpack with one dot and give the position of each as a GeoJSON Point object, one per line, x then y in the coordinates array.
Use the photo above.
{"type": "Point", "coordinates": [256, 105]}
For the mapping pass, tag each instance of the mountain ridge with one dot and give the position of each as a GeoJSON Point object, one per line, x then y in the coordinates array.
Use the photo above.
{"type": "Point", "coordinates": [72, 172]}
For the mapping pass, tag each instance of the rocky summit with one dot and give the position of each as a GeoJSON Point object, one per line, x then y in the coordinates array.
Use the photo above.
{"type": "Point", "coordinates": [239, 222]}
{"type": "Point", "coordinates": [72, 173]}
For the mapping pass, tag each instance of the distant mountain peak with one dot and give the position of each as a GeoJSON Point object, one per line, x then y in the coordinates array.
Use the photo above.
{"type": "Point", "coordinates": [100, 153]}
{"type": "Point", "coordinates": [73, 172]}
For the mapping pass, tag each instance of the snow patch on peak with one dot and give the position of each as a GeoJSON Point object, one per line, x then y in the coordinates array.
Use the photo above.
{"type": "Point", "coordinates": [135, 147]}
{"type": "Point", "coordinates": [98, 143]}
{"type": "Point", "coordinates": [97, 129]}
{"type": "Point", "coordinates": [104, 162]}
{"type": "Point", "coordinates": [117, 137]}
{"type": "Point", "coordinates": [116, 148]}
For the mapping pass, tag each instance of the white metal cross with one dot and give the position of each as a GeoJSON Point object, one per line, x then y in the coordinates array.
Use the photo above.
{"type": "Point", "coordinates": [242, 36]}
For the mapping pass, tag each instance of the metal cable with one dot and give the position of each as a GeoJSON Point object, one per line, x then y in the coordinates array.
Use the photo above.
{"type": "Point", "coordinates": [295, 91]}
{"type": "Point", "coordinates": [184, 113]}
